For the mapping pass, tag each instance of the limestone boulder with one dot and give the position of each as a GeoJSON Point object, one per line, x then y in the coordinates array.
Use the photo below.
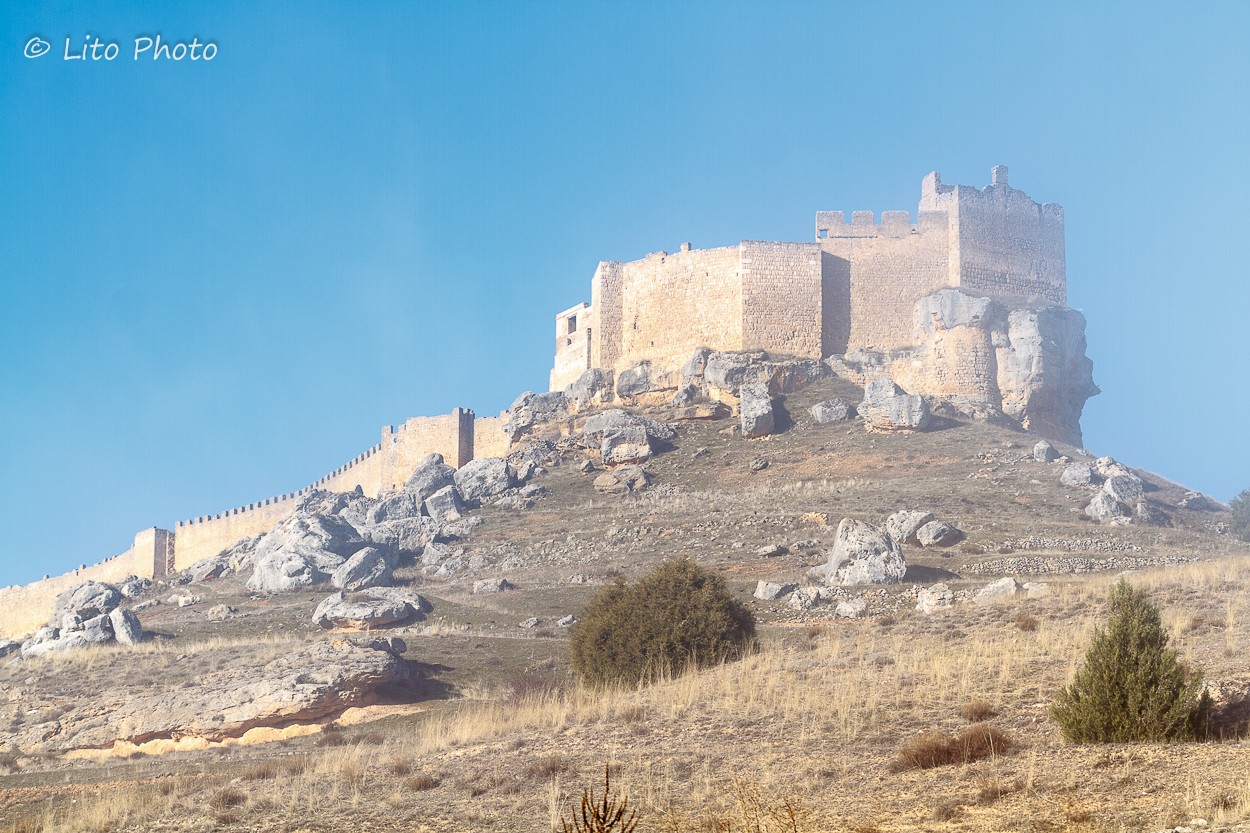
{"type": "Point", "coordinates": [1198, 502]}
{"type": "Point", "coordinates": [132, 587]}
{"type": "Point", "coordinates": [622, 480]}
{"type": "Point", "coordinates": [1044, 375]}
{"type": "Point", "coordinates": [902, 526]}
{"type": "Point", "coordinates": [1105, 509]}
{"type": "Point", "coordinates": [996, 591]}
{"type": "Point", "coordinates": [87, 600]}
{"type": "Point", "coordinates": [637, 380]}
{"type": "Point", "coordinates": [369, 567]}
{"type": "Point", "coordinates": [365, 609]}
{"type": "Point", "coordinates": [618, 419]}
{"type": "Point", "coordinates": [851, 608]}
{"type": "Point", "coordinates": [756, 409]}
{"type": "Point", "coordinates": [1125, 488]}
{"type": "Point", "coordinates": [531, 410]}
{"type": "Point", "coordinates": [935, 598]}
{"type": "Point", "coordinates": [1076, 474]}
{"type": "Point", "coordinates": [125, 626]}
{"type": "Point", "coordinates": [306, 684]}
{"type": "Point", "coordinates": [1106, 467]}
{"type": "Point", "coordinates": [938, 534]}
{"type": "Point", "coordinates": [888, 409]}
{"type": "Point", "coordinates": [771, 591]}
{"type": "Point", "coordinates": [487, 586]}
{"type": "Point", "coordinates": [282, 572]}
{"type": "Point", "coordinates": [592, 389]}
{"type": "Point", "coordinates": [207, 569]}
{"type": "Point", "coordinates": [727, 371]}
{"type": "Point", "coordinates": [432, 474]}
{"type": "Point", "coordinates": [1044, 452]}
{"type": "Point", "coordinates": [400, 505]}
{"type": "Point", "coordinates": [483, 478]}
{"type": "Point", "coordinates": [862, 554]}
{"type": "Point", "coordinates": [793, 375]}
{"type": "Point", "coordinates": [403, 537]}
{"type": "Point", "coordinates": [832, 410]}
{"type": "Point", "coordinates": [444, 505]}
{"type": "Point", "coordinates": [625, 437]}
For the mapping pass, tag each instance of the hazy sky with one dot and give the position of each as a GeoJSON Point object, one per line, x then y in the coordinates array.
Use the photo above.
{"type": "Point", "coordinates": [221, 277]}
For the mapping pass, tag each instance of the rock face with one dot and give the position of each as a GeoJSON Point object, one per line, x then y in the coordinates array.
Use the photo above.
{"type": "Point", "coordinates": [483, 478]}
{"type": "Point", "coordinates": [888, 409]}
{"type": "Point", "coordinates": [758, 419]}
{"type": "Point", "coordinates": [1125, 488]}
{"type": "Point", "coordinates": [592, 388]}
{"type": "Point", "coordinates": [903, 526]}
{"type": "Point", "coordinates": [532, 409]}
{"type": "Point", "coordinates": [626, 437]}
{"type": "Point", "coordinates": [981, 359]}
{"type": "Point", "coordinates": [1106, 509]}
{"type": "Point", "coordinates": [87, 600]}
{"type": "Point", "coordinates": [431, 475]}
{"type": "Point", "coordinates": [832, 410]}
{"type": "Point", "coordinates": [308, 683]}
{"type": "Point", "coordinates": [771, 591]}
{"type": "Point", "coordinates": [444, 505]}
{"type": "Point", "coordinates": [367, 568]}
{"type": "Point", "coordinates": [862, 554]}
{"type": "Point", "coordinates": [374, 607]}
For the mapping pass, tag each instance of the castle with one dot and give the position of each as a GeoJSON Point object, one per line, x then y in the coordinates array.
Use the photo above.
{"type": "Point", "coordinates": [853, 288]}
{"type": "Point", "coordinates": [859, 287]}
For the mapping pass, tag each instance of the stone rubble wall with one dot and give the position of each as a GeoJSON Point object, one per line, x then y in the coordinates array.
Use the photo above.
{"type": "Point", "coordinates": [781, 297]}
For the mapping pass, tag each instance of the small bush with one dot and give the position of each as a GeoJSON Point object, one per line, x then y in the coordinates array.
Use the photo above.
{"type": "Point", "coordinates": [420, 783]}
{"type": "Point", "coordinates": [608, 814]}
{"type": "Point", "coordinates": [1026, 623]}
{"type": "Point", "coordinates": [934, 748]}
{"type": "Point", "coordinates": [1132, 686]}
{"type": "Point", "coordinates": [1239, 525]}
{"type": "Point", "coordinates": [677, 617]}
{"type": "Point", "coordinates": [226, 798]}
{"type": "Point", "coordinates": [977, 711]}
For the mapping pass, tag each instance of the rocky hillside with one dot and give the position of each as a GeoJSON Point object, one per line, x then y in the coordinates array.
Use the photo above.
{"type": "Point", "coordinates": [400, 663]}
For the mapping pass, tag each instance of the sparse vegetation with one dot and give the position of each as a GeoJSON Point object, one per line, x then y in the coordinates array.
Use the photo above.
{"type": "Point", "coordinates": [933, 749]}
{"type": "Point", "coordinates": [1132, 686]}
{"type": "Point", "coordinates": [679, 616]}
{"type": "Point", "coordinates": [608, 814]}
{"type": "Point", "coordinates": [977, 711]}
{"type": "Point", "coordinates": [1239, 524]}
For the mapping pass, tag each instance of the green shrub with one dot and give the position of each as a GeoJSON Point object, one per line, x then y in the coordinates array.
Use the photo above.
{"type": "Point", "coordinates": [1240, 523]}
{"type": "Point", "coordinates": [1132, 686]}
{"type": "Point", "coordinates": [679, 616]}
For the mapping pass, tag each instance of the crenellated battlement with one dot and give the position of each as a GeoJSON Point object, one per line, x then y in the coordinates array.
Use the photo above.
{"type": "Point", "coordinates": [995, 241]}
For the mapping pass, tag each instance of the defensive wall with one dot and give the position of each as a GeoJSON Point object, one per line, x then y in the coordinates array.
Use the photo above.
{"type": "Point", "coordinates": [459, 436]}
{"type": "Point", "coordinates": [853, 288]}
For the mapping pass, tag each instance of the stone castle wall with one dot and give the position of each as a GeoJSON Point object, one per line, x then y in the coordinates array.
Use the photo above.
{"type": "Point", "coordinates": [781, 298]}
{"type": "Point", "coordinates": [853, 289]}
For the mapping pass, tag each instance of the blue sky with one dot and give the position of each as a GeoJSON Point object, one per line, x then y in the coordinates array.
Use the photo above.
{"type": "Point", "coordinates": [220, 279]}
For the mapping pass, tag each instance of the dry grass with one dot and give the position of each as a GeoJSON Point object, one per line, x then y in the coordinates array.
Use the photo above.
{"type": "Point", "coordinates": [933, 748]}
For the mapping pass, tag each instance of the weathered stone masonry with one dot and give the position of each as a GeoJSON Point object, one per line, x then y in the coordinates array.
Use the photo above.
{"type": "Point", "coordinates": [853, 288]}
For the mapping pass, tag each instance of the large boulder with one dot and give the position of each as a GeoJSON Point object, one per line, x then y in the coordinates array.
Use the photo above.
{"type": "Point", "coordinates": [888, 409]}
{"type": "Point", "coordinates": [125, 626]}
{"type": "Point", "coordinates": [938, 534]}
{"type": "Point", "coordinates": [1125, 488]}
{"type": "Point", "coordinates": [771, 591]}
{"type": "Point", "coordinates": [282, 572]}
{"type": "Point", "coordinates": [996, 591]}
{"type": "Point", "coordinates": [902, 526]}
{"type": "Point", "coordinates": [626, 437]}
{"type": "Point", "coordinates": [431, 475]}
{"type": "Point", "coordinates": [935, 598]}
{"type": "Point", "coordinates": [484, 478]}
{"type": "Point", "coordinates": [728, 371]}
{"type": "Point", "coordinates": [369, 567]}
{"type": "Point", "coordinates": [792, 375]}
{"type": "Point", "coordinates": [1044, 452]}
{"type": "Point", "coordinates": [367, 609]}
{"type": "Point", "coordinates": [636, 381]}
{"type": "Point", "coordinates": [207, 569]}
{"type": "Point", "coordinates": [532, 409]}
{"type": "Point", "coordinates": [1105, 509]}
{"type": "Point", "coordinates": [622, 480]}
{"type": "Point", "coordinates": [593, 388]}
{"type": "Point", "coordinates": [87, 600]}
{"type": "Point", "coordinates": [444, 505]}
{"type": "Point", "coordinates": [400, 505]}
{"type": "Point", "coordinates": [863, 554]}
{"type": "Point", "coordinates": [756, 410]}
{"type": "Point", "coordinates": [407, 535]}
{"type": "Point", "coordinates": [832, 410]}
{"type": "Point", "coordinates": [1076, 474]}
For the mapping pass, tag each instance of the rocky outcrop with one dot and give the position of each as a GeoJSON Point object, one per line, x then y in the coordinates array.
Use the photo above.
{"type": "Point", "coordinates": [935, 598]}
{"type": "Point", "coordinates": [592, 389]}
{"type": "Point", "coordinates": [531, 410]}
{"type": "Point", "coordinates": [756, 410]}
{"type": "Point", "coordinates": [978, 358]}
{"type": "Point", "coordinates": [862, 554]}
{"type": "Point", "coordinates": [483, 478]}
{"type": "Point", "coordinates": [622, 480]}
{"type": "Point", "coordinates": [996, 591]}
{"type": "Point", "coordinates": [431, 475]}
{"type": "Point", "coordinates": [308, 683]}
{"type": "Point", "coordinates": [902, 526]}
{"type": "Point", "coordinates": [367, 568]}
{"type": "Point", "coordinates": [832, 410]}
{"type": "Point", "coordinates": [888, 409]}
{"type": "Point", "coordinates": [374, 607]}
{"type": "Point", "coordinates": [625, 437]}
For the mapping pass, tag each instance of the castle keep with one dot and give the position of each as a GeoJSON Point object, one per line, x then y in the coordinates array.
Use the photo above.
{"type": "Point", "coordinates": [852, 288]}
